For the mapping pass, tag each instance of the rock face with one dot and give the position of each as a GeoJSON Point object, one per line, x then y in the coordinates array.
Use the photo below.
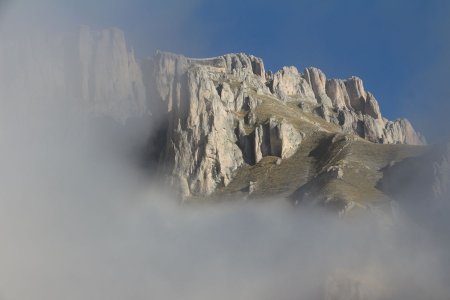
{"type": "Point", "coordinates": [289, 85]}
{"type": "Point", "coordinates": [343, 102]}
{"type": "Point", "coordinates": [317, 81]}
{"type": "Point", "coordinates": [213, 127]}
{"type": "Point", "coordinates": [276, 139]}
{"type": "Point", "coordinates": [200, 149]}
{"type": "Point", "coordinates": [91, 67]}
{"type": "Point", "coordinates": [214, 115]}
{"type": "Point", "coordinates": [346, 103]}
{"type": "Point", "coordinates": [356, 110]}
{"type": "Point", "coordinates": [205, 101]}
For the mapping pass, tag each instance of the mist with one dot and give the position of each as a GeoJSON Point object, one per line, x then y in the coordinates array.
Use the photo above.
{"type": "Point", "coordinates": [80, 221]}
{"type": "Point", "coordinates": [81, 218]}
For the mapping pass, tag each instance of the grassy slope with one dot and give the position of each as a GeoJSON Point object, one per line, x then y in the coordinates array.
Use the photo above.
{"type": "Point", "coordinates": [305, 171]}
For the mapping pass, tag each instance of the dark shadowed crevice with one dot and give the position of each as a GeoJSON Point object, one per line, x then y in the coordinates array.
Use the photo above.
{"type": "Point", "coordinates": [156, 145]}
{"type": "Point", "coordinates": [247, 145]}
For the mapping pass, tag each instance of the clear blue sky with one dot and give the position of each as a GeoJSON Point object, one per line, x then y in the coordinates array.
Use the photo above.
{"type": "Point", "coordinates": [401, 49]}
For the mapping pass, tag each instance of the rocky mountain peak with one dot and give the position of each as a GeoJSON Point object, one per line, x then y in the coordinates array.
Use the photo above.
{"type": "Point", "coordinates": [217, 117]}
{"type": "Point", "coordinates": [222, 116]}
{"type": "Point", "coordinates": [91, 67]}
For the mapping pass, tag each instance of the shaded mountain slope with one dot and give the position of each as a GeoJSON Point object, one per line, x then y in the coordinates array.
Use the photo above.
{"type": "Point", "coordinates": [234, 130]}
{"type": "Point", "coordinates": [222, 126]}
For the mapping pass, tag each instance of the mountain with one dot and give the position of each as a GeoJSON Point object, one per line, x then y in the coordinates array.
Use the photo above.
{"type": "Point", "coordinates": [233, 129]}
{"type": "Point", "coordinates": [92, 70]}
{"type": "Point", "coordinates": [224, 127]}
{"type": "Point", "coordinates": [422, 184]}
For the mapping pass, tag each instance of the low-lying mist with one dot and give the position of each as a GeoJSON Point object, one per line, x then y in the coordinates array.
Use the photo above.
{"type": "Point", "coordinates": [81, 220]}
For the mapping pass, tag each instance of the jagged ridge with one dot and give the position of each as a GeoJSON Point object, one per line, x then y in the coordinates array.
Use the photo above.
{"type": "Point", "coordinates": [216, 116]}
{"type": "Point", "coordinates": [214, 126]}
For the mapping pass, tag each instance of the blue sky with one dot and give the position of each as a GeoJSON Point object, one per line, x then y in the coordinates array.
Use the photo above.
{"type": "Point", "coordinates": [400, 48]}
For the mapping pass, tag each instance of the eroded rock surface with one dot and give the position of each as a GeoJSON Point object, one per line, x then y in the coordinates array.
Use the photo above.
{"type": "Point", "coordinates": [213, 125]}
{"type": "Point", "coordinates": [214, 116]}
{"type": "Point", "coordinates": [203, 100]}
{"type": "Point", "coordinates": [94, 68]}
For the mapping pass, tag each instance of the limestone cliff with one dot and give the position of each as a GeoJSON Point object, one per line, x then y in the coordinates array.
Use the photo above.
{"type": "Point", "coordinates": [215, 120]}
{"type": "Point", "coordinates": [94, 68]}
{"type": "Point", "coordinates": [343, 102]}
{"type": "Point", "coordinates": [203, 100]}
{"type": "Point", "coordinates": [223, 124]}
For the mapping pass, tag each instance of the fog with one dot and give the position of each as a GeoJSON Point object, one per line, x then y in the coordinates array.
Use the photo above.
{"type": "Point", "coordinates": [80, 218]}
{"type": "Point", "coordinates": [80, 221]}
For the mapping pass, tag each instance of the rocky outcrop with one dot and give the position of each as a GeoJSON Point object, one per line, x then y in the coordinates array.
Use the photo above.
{"type": "Point", "coordinates": [276, 138]}
{"type": "Point", "coordinates": [208, 111]}
{"type": "Point", "coordinates": [377, 130]}
{"type": "Point", "coordinates": [343, 102]}
{"type": "Point", "coordinates": [203, 100]}
{"type": "Point", "coordinates": [94, 68]}
{"type": "Point", "coordinates": [317, 80]}
{"type": "Point", "coordinates": [211, 127]}
{"type": "Point", "coordinates": [111, 78]}
{"type": "Point", "coordinates": [357, 111]}
{"type": "Point", "coordinates": [289, 85]}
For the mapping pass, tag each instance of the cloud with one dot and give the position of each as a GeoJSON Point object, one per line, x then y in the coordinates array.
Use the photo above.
{"type": "Point", "coordinates": [79, 220]}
